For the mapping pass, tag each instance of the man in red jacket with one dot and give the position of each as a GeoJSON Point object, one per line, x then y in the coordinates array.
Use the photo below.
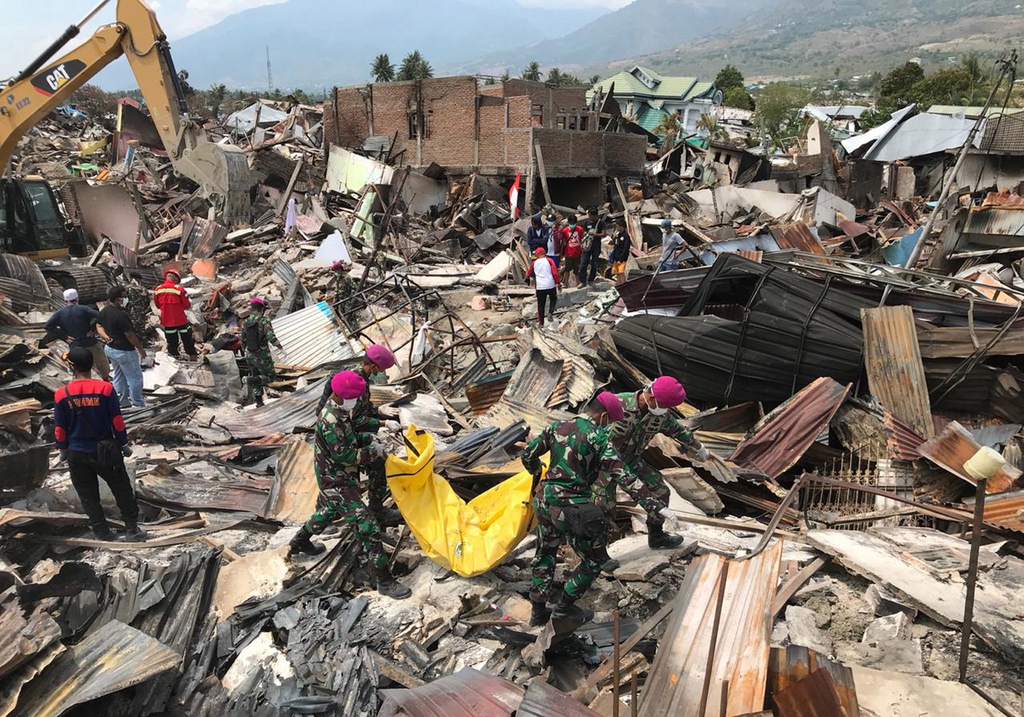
{"type": "Point", "coordinates": [171, 299]}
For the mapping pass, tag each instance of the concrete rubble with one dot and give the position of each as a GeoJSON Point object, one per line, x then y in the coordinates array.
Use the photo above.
{"type": "Point", "coordinates": [842, 367]}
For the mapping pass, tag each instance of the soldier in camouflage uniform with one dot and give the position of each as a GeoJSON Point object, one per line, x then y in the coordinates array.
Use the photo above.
{"type": "Point", "coordinates": [257, 335]}
{"type": "Point", "coordinates": [139, 311]}
{"type": "Point", "coordinates": [570, 504]}
{"type": "Point", "coordinates": [343, 288]}
{"type": "Point", "coordinates": [340, 451]}
{"type": "Point", "coordinates": [646, 416]}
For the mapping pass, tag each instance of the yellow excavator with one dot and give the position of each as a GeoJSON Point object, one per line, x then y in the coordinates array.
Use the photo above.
{"type": "Point", "coordinates": [29, 213]}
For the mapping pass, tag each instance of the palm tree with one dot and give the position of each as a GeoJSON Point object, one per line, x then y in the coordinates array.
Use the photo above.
{"type": "Point", "coordinates": [709, 123]}
{"type": "Point", "coordinates": [415, 67]}
{"type": "Point", "coordinates": [532, 72]}
{"type": "Point", "coordinates": [594, 79]}
{"type": "Point", "coordinates": [668, 129]}
{"type": "Point", "coordinates": [382, 69]}
{"type": "Point", "coordinates": [981, 76]}
{"type": "Point", "coordinates": [554, 77]}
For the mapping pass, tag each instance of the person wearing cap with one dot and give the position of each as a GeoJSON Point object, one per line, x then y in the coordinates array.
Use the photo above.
{"type": "Point", "coordinates": [543, 274]}
{"type": "Point", "coordinates": [257, 335]}
{"type": "Point", "coordinates": [172, 301]}
{"type": "Point", "coordinates": [672, 245]}
{"type": "Point", "coordinates": [571, 244]}
{"type": "Point", "coordinates": [340, 451]}
{"type": "Point", "coordinates": [75, 323]}
{"type": "Point", "coordinates": [86, 412]}
{"type": "Point", "coordinates": [570, 501]}
{"type": "Point", "coordinates": [368, 418]}
{"type": "Point", "coordinates": [343, 286]}
{"type": "Point", "coordinates": [554, 238]}
{"type": "Point", "coordinates": [647, 414]}
{"type": "Point", "coordinates": [537, 234]}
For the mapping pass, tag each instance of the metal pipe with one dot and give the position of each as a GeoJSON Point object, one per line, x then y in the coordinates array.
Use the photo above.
{"type": "Point", "coordinates": [615, 666]}
{"type": "Point", "coordinates": [972, 576]}
{"type": "Point", "coordinates": [633, 693]}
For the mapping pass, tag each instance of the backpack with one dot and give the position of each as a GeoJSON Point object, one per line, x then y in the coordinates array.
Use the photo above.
{"type": "Point", "coordinates": [254, 338]}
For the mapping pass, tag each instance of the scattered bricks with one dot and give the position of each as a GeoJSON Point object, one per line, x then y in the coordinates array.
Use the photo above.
{"type": "Point", "coordinates": [803, 630]}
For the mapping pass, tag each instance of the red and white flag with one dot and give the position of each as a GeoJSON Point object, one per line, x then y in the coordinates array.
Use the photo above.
{"type": "Point", "coordinates": [513, 198]}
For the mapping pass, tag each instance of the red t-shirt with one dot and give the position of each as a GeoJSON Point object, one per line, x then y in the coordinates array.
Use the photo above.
{"type": "Point", "coordinates": [572, 240]}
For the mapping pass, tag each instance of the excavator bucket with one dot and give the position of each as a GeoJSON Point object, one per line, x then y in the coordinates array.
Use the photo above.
{"type": "Point", "coordinates": [468, 538]}
{"type": "Point", "coordinates": [223, 171]}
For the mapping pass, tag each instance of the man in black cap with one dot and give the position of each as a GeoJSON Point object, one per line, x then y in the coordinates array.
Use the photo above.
{"type": "Point", "coordinates": [90, 435]}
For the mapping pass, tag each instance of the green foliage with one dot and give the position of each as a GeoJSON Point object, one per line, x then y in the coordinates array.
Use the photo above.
{"type": "Point", "coordinates": [216, 96]}
{"type": "Point", "coordinates": [778, 112]}
{"type": "Point", "coordinates": [94, 102]}
{"type": "Point", "coordinates": [714, 129]}
{"type": "Point", "coordinates": [594, 79]}
{"type": "Point", "coordinates": [728, 78]}
{"type": "Point", "coordinates": [557, 78]}
{"type": "Point", "coordinates": [505, 76]}
{"type": "Point", "coordinates": [896, 89]}
{"type": "Point", "coordinates": [532, 72]}
{"type": "Point", "coordinates": [982, 77]}
{"type": "Point", "coordinates": [952, 86]}
{"type": "Point", "coordinates": [739, 98]}
{"type": "Point", "coordinates": [414, 67]}
{"type": "Point", "coordinates": [382, 69]}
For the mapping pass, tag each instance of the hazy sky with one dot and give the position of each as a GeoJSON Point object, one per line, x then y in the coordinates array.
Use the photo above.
{"type": "Point", "coordinates": [25, 31]}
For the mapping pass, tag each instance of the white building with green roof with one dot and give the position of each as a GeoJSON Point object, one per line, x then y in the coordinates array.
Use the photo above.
{"type": "Point", "coordinates": [646, 97]}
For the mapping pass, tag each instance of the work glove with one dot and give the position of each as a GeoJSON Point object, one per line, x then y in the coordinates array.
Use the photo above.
{"type": "Point", "coordinates": [377, 447]}
{"type": "Point", "coordinates": [126, 451]}
{"type": "Point", "coordinates": [393, 426]}
{"type": "Point", "coordinates": [62, 457]}
{"type": "Point", "coordinates": [389, 411]}
{"type": "Point", "coordinates": [702, 454]}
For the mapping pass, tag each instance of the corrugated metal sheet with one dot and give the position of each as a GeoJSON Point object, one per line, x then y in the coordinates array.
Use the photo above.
{"type": "Point", "coordinates": [669, 289]}
{"type": "Point", "coordinates": [509, 410]}
{"type": "Point", "coordinates": [293, 494]}
{"type": "Point", "coordinates": [195, 493]}
{"type": "Point", "coordinates": [125, 257]}
{"type": "Point", "coordinates": [893, 362]}
{"type": "Point", "coordinates": [791, 664]}
{"type": "Point", "coordinates": [578, 382]}
{"type": "Point", "coordinates": [467, 693]}
{"type": "Point", "coordinates": [797, 236]}
{"type": "Point", "coordinates": [201, 237]}
{"type": "Point", "coordinates": [954, 447]}
{"type": "Point", "coordinates": [90, 281]}
{"type": "Point", "coordinates": [995, 221]}
{"type": "Point", "coordinates": [310, 337]}
{"type": "Point", "coordinates": [745, 589]}
{"type": "Point", "coordinates": [753, 254]}
{"type": "Point", "coordinates": [26, 270]}
{"type": "Point", "coordinates": [20, 294]}
{"type": "Point", "coordinates": [1004, 510]}
{"type": "Point", "coordinates": [901, 440]}
{"type": "Point", "coordinates": [543, 700]}
{"type": "Point", "coordinates": [921, 135]}
{"type": "Point", "coordinates": [959, 341]}
{"type": "Point", "coordinates": [778, 440]}
{"type": "Point", "coordinates": [284, 271]}
{"type": "Point", "coordinates": [112, 658]}
{"type": "Point", "coordinates": [486, 393]}
{"type": "Point", "coordinates": [534, 379]}
{"type": "Point", "coordinates": [1003, 199]}
{"type": "Point", "coordinates": [281, 416]}
{"type": "Point", "coordinates": [995, 436]}
{"type": "Point", "coordinates": [813, 696]}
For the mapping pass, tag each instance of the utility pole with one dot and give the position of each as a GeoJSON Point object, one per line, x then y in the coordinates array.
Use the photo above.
{"type": "Point", "coordinates": [270, 75]}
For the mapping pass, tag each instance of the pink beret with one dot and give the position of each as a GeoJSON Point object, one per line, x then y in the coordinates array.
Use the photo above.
{"type": "Point", "coordinates": [668, 392]}
{"type": "Point", "coordinates": [348, 384]}
{"type": "Point", "coordinates": [612, 405]}
{"type": "Point", "coordinates": [381, 355]}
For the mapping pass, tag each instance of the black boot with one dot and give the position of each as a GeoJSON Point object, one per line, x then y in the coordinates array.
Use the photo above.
{"type": "Point", "coordinates": [301, 543]}
{"type": "Point", "coordinates": [387, 517]}
{"type": "Point", "coordinates": [658, 538]}
{"type": "Point", "coordinates": [610, 566]}
{"type": "Point", "coordinates": [133, 533]}
{"type": "Point", "coordinates": [387, 585]}
{"type": "Point", "coordinates": [568, 611]}
{"type": "Point", "coordinates": [540, 613]}
{"type": "Point", "coordinates": [259, 402]}
{"type": "Point", "coordinates": [102, 531]}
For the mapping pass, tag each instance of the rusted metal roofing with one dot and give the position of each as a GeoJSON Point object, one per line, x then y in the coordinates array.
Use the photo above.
{"type": "Point", "coordinates": [901, 440]}
{"type": "Point", "coordinates": [535, 378]}
{"type": "Point", "coordinates": [20, 294]}
{"type": "Point", "coordinates": [813, 696]}
{"type": "Point", "coordinates": [1005, 510]}
{"type": "Point", "coordinates": [963, 341]}
{"type": "Point", "coordinates": [954, 447]}
{"type": "Point", "coordinates": [543, 700]}
{"type": "Point", "coordinates": [894, 368]}
{"type": "Point", "coordinates": [1003, 199]}
{"type": "Point", "coordinates": [125, 257]}
{"type": "Point", "coordinates": [778, 440]}
{"type": "Point", "coordinates": [739, 666]}
{"type": "Point", "coordinates": [195, 493]}
{"type": "Point", "coordinates": [310, 337]}
{"type": "Point", "coordinates": [294, 491]}
{"type": "Point", "coordinates": [509, 410]}
{"type": "Point", "coordinates": [668, 289]}
{"type": "Point", "coordinates": [578, 382]}
{"type": "Point", "coordinates": [467, 693]}
{"type": "Point", "coordinates": [201, 237]}
{"type": "Point", "coordinates": [790, 665]}
{"type": "Point", "coordinates": [797, 236]}
{"type": "Point", "coordinates": [995, 221]}
{"type": "Point", "coordinates": [484, 394]}
{"type": "Point", "coordinates": [281, 416]}
{"type": "Point", "coordinates": [752, 254]}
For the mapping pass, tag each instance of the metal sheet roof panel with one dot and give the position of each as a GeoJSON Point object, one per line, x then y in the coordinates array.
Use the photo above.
{"type": "Point", "coordinates": [467, 693]}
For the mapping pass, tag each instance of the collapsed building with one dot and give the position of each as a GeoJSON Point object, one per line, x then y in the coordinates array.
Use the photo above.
{"type": "Point", "coordinates": [842, 554]}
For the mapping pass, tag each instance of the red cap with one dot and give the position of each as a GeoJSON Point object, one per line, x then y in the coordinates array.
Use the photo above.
{"type": "Point", "coordinates": [381, 355]}
{"type": "Point", "coordinates": [539, 251]}
{"type": "Point", "coordinates": [668, 392]}
{"type": "Point", "coordinates": [612, 404]}
{"type": "Point", "coordinates": [340, 266]}
{"type": "Point", "coordinates": [348, 384]}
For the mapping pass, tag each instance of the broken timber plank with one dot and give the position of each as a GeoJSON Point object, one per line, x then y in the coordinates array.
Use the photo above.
{"type": "Point", "coordinates": [789, 588]}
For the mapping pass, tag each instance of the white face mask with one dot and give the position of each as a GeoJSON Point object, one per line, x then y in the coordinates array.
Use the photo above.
{"type": "Point", "coordinates": [658, 411]}
{"type": "Point", "coordinates": [347, 404]}
{"type": "Point", "coordinates": [124, 301]}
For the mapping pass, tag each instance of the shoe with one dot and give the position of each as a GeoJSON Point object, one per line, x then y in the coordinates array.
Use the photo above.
{"type": "Point", "coordinates": [610, 566]}
{"type": "Point", "coordinates": [387, 585]}
{"type": "Point", "coordinates": [389, 517]}
{"type": "Point", "coordinates": [570, 611]}
{"type": "Point", "coordinates": [301, 543]}
{"type": "Point", "coordinates": [135, 534]}
{"type": "Point", "coordinates": [259, 402]}
{"type": "Point", "coordinates": [657, 539]}
{"type": "Point", "coordinates": [540, 613]}
{"type": "Point", "coordinates": [104, 533]}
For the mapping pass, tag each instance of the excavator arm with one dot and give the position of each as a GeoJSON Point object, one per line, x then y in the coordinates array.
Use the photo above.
{"type": "Point", "coordinates": [220, 170]}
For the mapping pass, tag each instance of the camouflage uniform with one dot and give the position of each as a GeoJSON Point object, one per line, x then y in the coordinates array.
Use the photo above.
{"type": "Point", "coordinates": [343, 288]}
{"type": "Point", "coordinates": [571, 500]}
{"type": "Point", "coordinates": [630, 437]}
{"type": "Point", "coordinates": [339, 451]}
{"type": "Point", "coordinates": [139, 312]}
{"type": "Point", "coordinates": [257, 357]}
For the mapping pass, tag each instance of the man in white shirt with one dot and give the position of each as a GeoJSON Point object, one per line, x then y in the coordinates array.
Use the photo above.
{"type": "Point", "coordinates": [544, 275]}
{"type": "Point", "coordinates": [672, 245]}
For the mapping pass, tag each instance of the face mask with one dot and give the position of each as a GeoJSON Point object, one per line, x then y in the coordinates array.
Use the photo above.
{"type": "Point", "coordinates": [348, 404]}
{"type": "Point", "coordinates": [124, 301]}
{"type": "Point", "coordinates": [658, 411]}
{"type": "Point", "coordinates": [378, 379]}
{"type": "Point", "coordinates": [572, 226]}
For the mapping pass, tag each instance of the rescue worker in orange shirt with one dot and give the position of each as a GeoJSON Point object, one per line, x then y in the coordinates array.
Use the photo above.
{"type": "Point", "coordinates": [171, 299]}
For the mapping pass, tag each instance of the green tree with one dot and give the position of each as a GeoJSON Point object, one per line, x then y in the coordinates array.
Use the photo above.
{"type": "Point", "coordinates": [414, 67]}
{"type": "Point", "coordinates": [981, 76]}
{"type": "Point", "coordinates": [382, 69]}
{"type": "Point", "coordinates": [951, 86]}
{"type": "Point", "coordinates": [778, 112]}
{"type": "Point", "coordinates": [896, 89]}
{"type": "Point", "coordinates": [532, 72]}
{"type": "Point", "coordinates": [215, 98]}
{"type": "Point", "coordinates": [505, 76]}
{"type": "Point", "coordinates": [554, 77]}
{"type": "Point", "coordinates": [94, 102]}
{"type": "Point", "coordinates": [739, 98]}
{"type": "Point", "coordinates": [728, 77]}
{"type": "Point", "coordinates": [668, 128]}
{"type": "Point", "coordinates": [594, 79]}
{"type": "Point", "coordinates": [714, 129]}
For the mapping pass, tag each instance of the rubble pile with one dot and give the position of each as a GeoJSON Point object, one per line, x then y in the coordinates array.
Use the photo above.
{"type": "Point", "coordinates": [841, 549]}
